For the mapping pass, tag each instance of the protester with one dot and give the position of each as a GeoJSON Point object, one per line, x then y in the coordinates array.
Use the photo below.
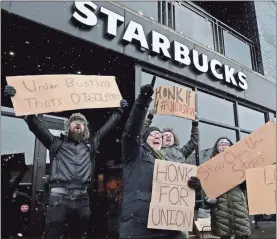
{"type": "Point", "coordinates": [72, 158]}
{"type": "Point", "coordinates": [229, 212]}
{"type": "Point", "coordinates": [170, 145]}
{"type": "Point", "coordinates": [139, 151]}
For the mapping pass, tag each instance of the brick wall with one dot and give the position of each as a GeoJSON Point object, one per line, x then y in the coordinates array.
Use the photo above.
{"type": "Point", "coordinates": [246, 24]}
{"type": "Point", "coordinates": [266, 21]}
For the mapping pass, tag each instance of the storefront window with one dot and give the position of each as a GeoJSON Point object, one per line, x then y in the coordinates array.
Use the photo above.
{"type": "Point", "coordinates": [237, 50]}
{"type": "Point", "coordinates": [17, 138]}
{"type": "Point", "coordinates": [194, 26]}
{"type": "Point", "coordinates": [243, 134]}
{"type": "Point", "coordinates": [147, 9]}
{"type": "Point", "coordinates": [208, 136]}
{"type": "Point", "coordinates": [181, 126]}
{"type": "Point", "coordinates": [250, 119]}
{"type": "Point", "coordinates": [215, 109]}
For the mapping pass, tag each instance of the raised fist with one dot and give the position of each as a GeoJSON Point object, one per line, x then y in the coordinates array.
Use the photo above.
{"type": "Point", "coordinates": [196, 121]}
{"type": "Point", "coordinates": [147, 90]}
{"type": "Point", "coordinates": [9, 91]}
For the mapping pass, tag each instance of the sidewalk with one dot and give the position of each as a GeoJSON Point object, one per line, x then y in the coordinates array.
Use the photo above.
{"type": "Point", "coordinates": [267, 230]}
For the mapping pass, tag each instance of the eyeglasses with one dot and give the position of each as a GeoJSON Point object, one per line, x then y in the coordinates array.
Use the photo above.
{"type": "Point", "coordinates": [156, 134]}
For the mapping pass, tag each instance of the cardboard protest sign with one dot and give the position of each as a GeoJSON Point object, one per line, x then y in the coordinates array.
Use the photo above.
{"type": "Point", "coordinates": [54, 93]}
{"type": "Point", "coordinates": [174, 100]}
{"type": "Point", "coordinates": [172, 203]}
{"type": "Point", "coordinates": [261, 190]}
{"type": "Point", "coordinates": [227, 170]}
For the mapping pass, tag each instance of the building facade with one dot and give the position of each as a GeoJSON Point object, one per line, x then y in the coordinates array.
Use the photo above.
{"type": "Point", "coordinates": [226, 53]}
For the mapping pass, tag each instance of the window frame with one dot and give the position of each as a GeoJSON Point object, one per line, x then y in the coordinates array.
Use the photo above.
{"type": "Point", "coordinates": [208, 90]}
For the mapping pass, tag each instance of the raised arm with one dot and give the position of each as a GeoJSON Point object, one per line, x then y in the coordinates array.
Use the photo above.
{"type": "Point", "coordinates": [110, 123]}
{"type": "Point", "coordinates": [148, 121]}
{"type": "Point", "coordinates": [34, 123]}
{"type": "Point", "coordinates": [132, 134]}
{"type": "Point", "coordinates": [39, 130]}
{"type": "Point", "coordinates": [193, 142]}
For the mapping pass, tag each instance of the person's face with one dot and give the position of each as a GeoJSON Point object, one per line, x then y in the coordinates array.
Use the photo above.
{"type": "Point", "coordinates": [168, 139]}
{"type": "Point", "coordinates": [154, 140]}
{"type": "Point", "coordinates": [76, 130]}
{"type": "Point", "coordinates": [222, 147]}
{"type": "Point", "coordinates": [77, 126]}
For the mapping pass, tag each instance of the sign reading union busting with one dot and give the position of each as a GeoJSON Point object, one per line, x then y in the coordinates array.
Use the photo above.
{"type": "Point", "coordinates": [54, 93]}
{"type": "Point", "coordinates": [172, 202]}
{"type": "Point", "coordinates": [227, 170]}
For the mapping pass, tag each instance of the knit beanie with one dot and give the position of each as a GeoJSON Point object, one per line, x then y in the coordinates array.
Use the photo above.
{"type": "Point", "coordinates": [148, 131]}
{"type": "Point", "coordinates": [79, 117]}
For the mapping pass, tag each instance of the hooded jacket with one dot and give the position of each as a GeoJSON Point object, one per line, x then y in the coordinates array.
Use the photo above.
{"type": "Point", "coordinates": [229, 215]}
{"type": "Point", "coordinates": [72, 163]}
{"type": "Point", "coordinates": [138, 169]}
{"type": "Point", "coordinates": [175, 153]}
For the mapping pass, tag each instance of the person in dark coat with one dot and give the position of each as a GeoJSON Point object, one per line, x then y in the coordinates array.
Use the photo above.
{"type": "Point", "coordinates": [171, 145]}
{"type": "Point", "coordinates": [73, 164]}
{"type": "Point", "coordinates": [140, 148]}
{"type": "Point", "coordinates": [229, 212]}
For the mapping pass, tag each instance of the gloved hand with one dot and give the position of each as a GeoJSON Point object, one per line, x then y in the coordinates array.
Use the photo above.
{"type": "Point", "coordinates": [147, 90]}
{"type": "Point", "coordinates": [9, 91]}
{"type": "Point", "coordinates": [210, 200]}
{"type": "Point", "coordinates": [194, 183]}
{"type": "Point", "coordinates": [196, 121]}
{"type": "Point", "coordinates": [150, 114]}
{"type": "Point", "coordinates": [124, 104]}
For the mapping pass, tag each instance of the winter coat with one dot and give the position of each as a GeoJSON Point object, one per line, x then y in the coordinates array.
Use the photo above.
{"type": "Point", "coordinates": [176, 154]}
{"type": "Point", "coordinates": [65, 172]}
{"type": "Point", "coordinates": [229, 216]}
{"type": "Point", "coordinates": [138, 169]}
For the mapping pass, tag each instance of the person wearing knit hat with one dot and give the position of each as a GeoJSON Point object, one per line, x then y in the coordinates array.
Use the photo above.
{"type": "Point", "coordinates": [140, 148]}
{"type": "Point", "coordinates": [72, 159]}
{"type": "Point", "coordinates": [173, 152]}
{"type": "Point", "coordinates": [229, 212]}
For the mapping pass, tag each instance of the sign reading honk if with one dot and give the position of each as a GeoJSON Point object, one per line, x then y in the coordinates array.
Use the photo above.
{"type": "Point", "coordinates": [55, 93]}
{"type": "Point", "coordinates": [175, 100]}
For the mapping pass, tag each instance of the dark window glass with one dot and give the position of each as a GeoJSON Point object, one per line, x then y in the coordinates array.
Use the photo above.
{"type": "Point", "coordinates": [215, 109]}
{"type": "Point", "coordinates": [17, 138]}
{"type": "Point", "coordinates": [237, 50]}
{"type": "Point", "coordinates": [181, 126]}
{"type": "Point", "coordinates": [147, 9]}
{"type": "Point", "coordinates": [250, 119]}
{"type": "Point", "coordinates": [194, 26]}
{"type": "Point", "coordinates": [243, 134]}
{"type": "Point", "coordinates": [208, 136]}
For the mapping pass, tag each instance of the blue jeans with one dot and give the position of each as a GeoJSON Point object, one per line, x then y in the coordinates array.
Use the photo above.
{"type": "Point", "coordinates": [63, 207]}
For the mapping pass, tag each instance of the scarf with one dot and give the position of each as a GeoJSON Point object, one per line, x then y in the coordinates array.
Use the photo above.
{"type": "Point", "coordinates": [157, 154]}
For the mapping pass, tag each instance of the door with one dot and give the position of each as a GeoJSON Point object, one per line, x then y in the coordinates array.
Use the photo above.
{"type": "Point", "coordinates": [40, 188]}
{"type": "Point", "coordinates": [17, 165]}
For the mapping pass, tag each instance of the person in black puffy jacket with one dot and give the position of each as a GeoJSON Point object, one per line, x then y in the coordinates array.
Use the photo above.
{"type": "Point", "coordinates": [72, 167]}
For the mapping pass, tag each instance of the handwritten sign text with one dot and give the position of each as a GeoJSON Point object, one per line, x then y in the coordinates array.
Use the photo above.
{"type": "Point", "coordinates": [174, 100]}
{"type": "Point", "coordinates": [172, 202]}
{"type": "Point", "coordinates": [255, 150]}
{"type": "Point", "coordinates": [54, 93]}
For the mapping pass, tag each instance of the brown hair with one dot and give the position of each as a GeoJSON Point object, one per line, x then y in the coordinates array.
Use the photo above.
{"type": "Point", "coordinates": [176, 138]}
